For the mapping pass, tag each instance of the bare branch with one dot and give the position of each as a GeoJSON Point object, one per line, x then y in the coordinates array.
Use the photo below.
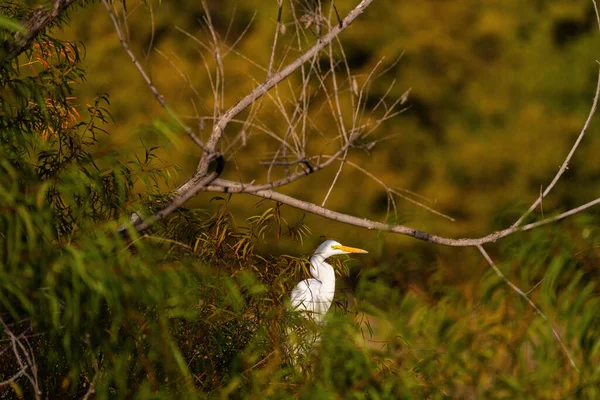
{"type": "Point", "coordinates": [12, 378]}
{"type": "Point", "coordinates": [597, 14]}
{"type": "Point", "coordinates": [159, 97]}
{"type": "Point", "coordinates": [211, 182]}
{"type": "Point", "coordinates": [92, 388]}
{"type": "Point", "coordinates": [391, 190]}
{"type": "Point", "coordinates": [34, 24]}
{"type": "Point", "coordinates": [337, 175]}
{"type": "Point", "coordinates": [193, 187]}
{"type": "Point", "coordinates": [225, 186]}
{"type": "Point", "coordinates": [219, 92]}
{"type": "Point", "coordinates": [275, 38]}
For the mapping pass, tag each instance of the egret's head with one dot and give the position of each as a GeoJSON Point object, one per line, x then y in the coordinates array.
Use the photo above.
{"type": "Point", "coordinates": [332, 248]}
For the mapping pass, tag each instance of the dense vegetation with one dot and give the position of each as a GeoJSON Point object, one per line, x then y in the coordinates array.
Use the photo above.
{"type": "Point", "coordinates": [196, 306]}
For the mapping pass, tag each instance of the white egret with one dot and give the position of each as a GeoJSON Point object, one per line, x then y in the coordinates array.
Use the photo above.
{"type": "Point", "coordinates": [314, 296]}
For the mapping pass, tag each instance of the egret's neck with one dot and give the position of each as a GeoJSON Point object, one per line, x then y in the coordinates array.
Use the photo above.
{"type": "Point", "coordinates": [322, 272]}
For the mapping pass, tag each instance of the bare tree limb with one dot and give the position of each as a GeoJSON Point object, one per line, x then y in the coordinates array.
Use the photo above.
{"type": "Point", "coordinates": [597, 13]}
{"type": "Point", "coordinates": [182, 197]}
{"type": "Point", "coordinates": [92, 388]}
{"type": "Point", "coordinates": [213, 183]}
{"type": "Point", "coordinates": [337, 175]}
{"type": "Point", "coordinates": [225, 186]}
{"type": "Point", "coordinates": [275, 37]}
{"type": "Point", "coordinates": [34, 24]}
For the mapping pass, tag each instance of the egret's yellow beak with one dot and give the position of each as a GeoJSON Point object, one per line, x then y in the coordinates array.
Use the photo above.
{"type": "Point", "coordinates": [348, 249]}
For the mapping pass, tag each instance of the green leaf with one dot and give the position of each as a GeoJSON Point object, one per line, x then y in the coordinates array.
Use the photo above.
{"type": "Point", "coordinates": [10, 24]}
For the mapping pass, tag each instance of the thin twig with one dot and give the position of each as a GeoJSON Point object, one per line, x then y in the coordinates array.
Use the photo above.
{"type": "Point", "coordinates": [183, 197]}
{"type": "Point", "coordinates": [535, 286]}
{"type": "Point", "coordinates": [565, 164]}
{"type": "Point", "coordinates": [159, 97]}
{"type": "Point", "coordinates": [25, 360]}
{"type": "Point", "coordinates": [337, 175]}
{"type": "Point", "coordinates": [34, 24]}
{"type": "Point", "coordinates": [597, 14]}
{"type": "Point", "coordinates": [397, 191]}
{"type": "Point", "coordinates": [220, 71]}
{"type": "Point", "coordinates": [275, 38]}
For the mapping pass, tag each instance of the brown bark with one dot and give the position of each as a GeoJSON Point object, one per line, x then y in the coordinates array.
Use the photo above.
{"type": "Point", "coordinates": [34, 24]}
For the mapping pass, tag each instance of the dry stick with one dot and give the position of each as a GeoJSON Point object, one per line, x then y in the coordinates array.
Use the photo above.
{"type": "Point", "coordinates": [305, 77]}
{"type": "Point", "coordinates": [531, 303]}
{"type": "Point", "coordinates": [302, 107]}
{"type": "Point", "coordinates": [565, 164]}
{"type": "Point", "coordinates": [220, 88]}
{"type": "Point", "coordinates": [13, 378]}
{"type": "Point", "coordinates": [183, 75]}
{"type": "Point", "coordinates": [542, 202]}
{"type": "Point", "coordinates": [337, 175]}
{"type": "Point", "coordinates": [597, 14]}
{"type": "Point", "coordinates": [158, 239]}
{"type": "Point", "coordinates": [34, 24]}
{"type": "Point", "coordinates": [32, 362]}
{"type": "Point", "coordinates": [389, 189]}
{"type": "Point", "coordinates": [152, 30]}
{"type": "Point", "coordinates": [275, 38]}
{"type": "Point", "coordinates": [181, 198]}
{"type": "Point", "coordinates": [281, 147]}
{"type": "Point", "coordinates": [226, 186]}
{"type": "Point", "coordinates": [255, 108]}
{"type": "Point", "coordinates": [92, 389]}
{"type": "Point", "coordinates": [535, 286]}
{"type": "Point", "coordinates": [322, 82]}
{"type": "Point", "coordinates": [336, 97]}
{"type": "Point", "coordinates": [159, 97]}
{"type": "Point", "coordinates": [298, 175]}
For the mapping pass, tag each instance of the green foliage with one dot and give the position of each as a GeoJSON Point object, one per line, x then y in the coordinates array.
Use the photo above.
{"type": "Point", "coordinates": [10, 24]}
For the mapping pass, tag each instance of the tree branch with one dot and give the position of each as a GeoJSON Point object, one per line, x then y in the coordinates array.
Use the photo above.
{"type": "Point", "coordinates": [225, 186]}
{"type": "Point", "coordinates": [159, 97]}
{"type": "Point", "coordinates": [182, 197]}
{"type": "Point", "coordinates": [34, 24]}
